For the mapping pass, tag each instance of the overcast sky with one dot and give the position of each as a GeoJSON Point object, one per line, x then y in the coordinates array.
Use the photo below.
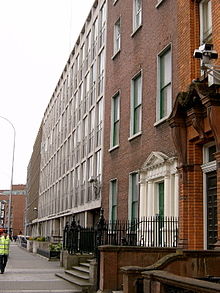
{"type": "Point", "coordinates": [36, 38]}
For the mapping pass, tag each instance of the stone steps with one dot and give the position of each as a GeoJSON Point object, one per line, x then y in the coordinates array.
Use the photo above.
{"type": "Point", "coordinates": [79, 276]}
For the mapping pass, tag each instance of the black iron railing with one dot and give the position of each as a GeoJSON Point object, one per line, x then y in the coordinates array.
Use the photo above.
{"type": "Point", "coordinates": [148, 232]}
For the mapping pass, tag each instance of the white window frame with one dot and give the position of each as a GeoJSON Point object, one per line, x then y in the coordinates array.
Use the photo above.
{"type": "Point", "coordinates": [137, 14]}
{"type": "Point", "coordinates": [208, 166]}
{"type": "Point", "coordinates": [205, 8]}
{"type": "Point", "coordinates": [130, 195]}
{"type": "Point", "coordinates": [111, 199]}
{"type": "Point", "coordinates": [160, 119]}
{"type": "Point", "coordinates": [115, 119]}
{"type": "Point", "coordinates": [134, 108]}
{"type": "Point", "coordinates": [117, 36]}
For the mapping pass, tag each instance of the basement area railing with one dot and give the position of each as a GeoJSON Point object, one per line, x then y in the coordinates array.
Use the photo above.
{"type": "Point", "coordinates": [154, 231]}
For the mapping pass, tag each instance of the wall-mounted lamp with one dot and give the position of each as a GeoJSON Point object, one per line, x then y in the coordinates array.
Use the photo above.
{"type": "Point", "coordinates": [206, 54]}
{"type": "Point", "coordinates": [96, 186]}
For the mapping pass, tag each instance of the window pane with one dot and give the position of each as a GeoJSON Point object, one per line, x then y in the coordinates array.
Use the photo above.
{"type": "Point", "coordinates": [115, 134]}
{"type": "Point", "coordinates": [115, 121]}
{"type": "Point", "coordinates": [137, 13]}
{"type": "Point", "coordinates": [134, 196]}
{"type": "Point", "coordinates": [137, 120]}
{"type": "Point", "coordinates": [136, 105]}
{"type": "Point", "coordinates": [113, 200]}
{"type": "Point", "coordinates": [137, 91]}
{"type": "Point", "coordinates": [165, 84]}
{"type": "Point", "coordinates": [164, 100]}
{"type": "Point", "coordinates": [117, 36]}
{"type": "Point", "coordinates": [211, 153]}
{"type": "Point", "coordinates": [165, 66]}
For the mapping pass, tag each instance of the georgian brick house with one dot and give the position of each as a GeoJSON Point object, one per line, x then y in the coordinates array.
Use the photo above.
{"type": "Point", "coordinates": [195, 124]}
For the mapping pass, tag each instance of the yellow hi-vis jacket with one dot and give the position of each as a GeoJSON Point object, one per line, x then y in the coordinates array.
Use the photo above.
{"type": "Point", "coordinates": [4, 245]}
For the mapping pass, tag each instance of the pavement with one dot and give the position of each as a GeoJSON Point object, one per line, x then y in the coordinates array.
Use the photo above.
{"type": "Point", "coordinates": [30, 273]}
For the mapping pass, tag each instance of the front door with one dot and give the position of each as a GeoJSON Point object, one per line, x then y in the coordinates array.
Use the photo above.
{"type": "Point", "coordinates": [161, 212]}
{"type": "Point", "coordinates": [211, 209]}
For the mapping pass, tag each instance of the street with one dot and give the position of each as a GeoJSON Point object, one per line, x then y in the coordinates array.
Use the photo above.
{"type": "Point", "coordinates": [29, 273]}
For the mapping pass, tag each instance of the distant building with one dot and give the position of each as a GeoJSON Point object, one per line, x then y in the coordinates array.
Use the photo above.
{"type": "Point", "coordinates": [33, 181]}
{"type": "Point", "coordinates": [17, 208]}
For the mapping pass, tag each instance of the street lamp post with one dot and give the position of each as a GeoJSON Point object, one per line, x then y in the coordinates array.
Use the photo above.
{"type": "Point", "coordinates": [12, 171]}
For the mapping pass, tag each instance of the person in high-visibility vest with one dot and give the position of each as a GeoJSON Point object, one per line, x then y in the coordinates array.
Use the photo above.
{"type": "Point", "coordinates": [4, 251]}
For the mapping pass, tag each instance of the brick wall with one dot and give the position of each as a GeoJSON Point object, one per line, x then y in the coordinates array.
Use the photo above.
{"type": "Point", "coordinates": [138, 52]}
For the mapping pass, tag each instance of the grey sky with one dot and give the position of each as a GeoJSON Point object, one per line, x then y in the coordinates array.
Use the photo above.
{"type": "Point", "coordinates": [36, 38]}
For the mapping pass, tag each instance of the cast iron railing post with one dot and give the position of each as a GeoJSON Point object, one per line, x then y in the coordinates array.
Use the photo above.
{"type": "Point", "coordinates": [99, 241]}
{"type": "Point", "coordinates": [65, 235]}
{"type": "Point", "coordinates": [73, 235]}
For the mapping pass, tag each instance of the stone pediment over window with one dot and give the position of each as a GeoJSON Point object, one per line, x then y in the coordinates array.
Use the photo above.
{"type": "Point", "coordinates": [155, 159]}
{"type": "Point", "coordinates": [158, 164]}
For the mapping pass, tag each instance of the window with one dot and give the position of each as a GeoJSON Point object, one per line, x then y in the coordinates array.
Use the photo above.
{"type": "Point", "coordinates": [133, 196]}
{"type": "Point", "coordinates": [137, 14]}
{"type": "Point", "coordinates": [83, 183]}
{"type": "Point", "coordinates": [93, 76]}
{"type": "Point", "coordinates": [98, 164]}
{"type": "Point", "coordinates": [91, 128]}
{"type": "Point", "coordinates": [94, 38]}
{"type": "Point", "coordinates": [136, 106]}
{"type": "Point", "coordinates": [115, 120]}
{"type": "Point", "coordinates": [209, 153]}
{"type": "Point", "coordinates": [89, 175]}
{"type": "Point", "coordinates": [100, 73]}
{"type": "Point", "coordinates": [117, 36]}
{"type": "Point", "coordinates": [99, 119]}
{"type": "Point", "coordinates": [113, 200]}
{"type": "Point", "coordinates": [164, 101]}
{"type": "Point", "coordinates": [76, 193]}
{"type": "Point", "coordinates": [88, 50]}
{"type": "Point", "coordinates": [102, 21]}
{"type": "Point", "coordinates": [84, 136]}
{"type": "Point", "coordinates": [205, 11]}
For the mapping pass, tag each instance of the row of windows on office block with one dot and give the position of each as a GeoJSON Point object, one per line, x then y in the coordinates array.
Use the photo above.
{"type": "Point", "coordinates": [72, 190]}
{"type": "Point", "coordinates": [84, 71]}
{"type": "Point", "coordinates": [64, 146]}
{"type": "Point", "coordinates": [65, 160]}
{"type": "Point", "coordinates": [65, 118]}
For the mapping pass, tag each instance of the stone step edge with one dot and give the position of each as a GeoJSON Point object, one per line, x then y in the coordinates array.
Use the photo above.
{"type": "Point", "coordinates": [74, 280]}
{"type": "Point", "coordinates": [78, 274]}
{"type": "Point", "coordinates": [81, 269]}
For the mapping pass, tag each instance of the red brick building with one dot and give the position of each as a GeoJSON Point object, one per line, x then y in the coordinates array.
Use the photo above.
{"type": "Point", "coordinates": [140, 176]}
{"type": "Point", "coordinates": [17, 208]}
{"type": "Point", "coordinates": [196, 127]}
{"type": "Point", "coordinates": [149, 60]}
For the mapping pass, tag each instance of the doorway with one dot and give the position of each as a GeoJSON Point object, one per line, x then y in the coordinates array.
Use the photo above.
{"type": "Point", "coordinates": [211, 181]}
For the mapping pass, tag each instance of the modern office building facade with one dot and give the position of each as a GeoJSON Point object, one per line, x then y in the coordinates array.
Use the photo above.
{"type": "Point", "coordinates": [72, 130]}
